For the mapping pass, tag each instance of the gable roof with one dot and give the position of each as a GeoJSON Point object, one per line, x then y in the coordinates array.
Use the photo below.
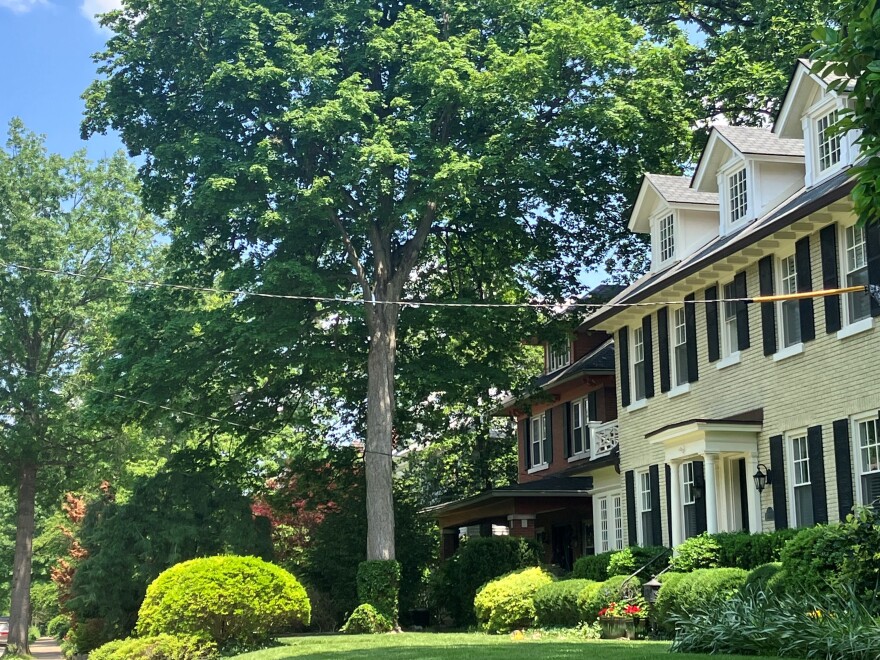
{"type": "Point", "coordinates": [674, 190]}
{"type": "Point", "coordinates": [752, 141]}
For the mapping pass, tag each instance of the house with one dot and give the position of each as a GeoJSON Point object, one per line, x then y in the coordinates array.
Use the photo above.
{"type": "Point", "coordinates": [745, 416]}
{"type": "Point", "coordinates": [568, 494]}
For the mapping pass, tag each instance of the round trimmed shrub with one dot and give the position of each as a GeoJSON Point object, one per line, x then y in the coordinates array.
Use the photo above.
{"type": "Point", "coordinates": [701, 551]}
{"type": "Point", "coordinates": [596, 596]}
{"type": "Point", "coordinates": [366, 620]}
{"type": "Point", "coordinates": [814, 558]}
{"type": "Point", "coordinates": [158, 647]}
{"type": "Point", "coordinates": [763, 576]}
{"type": "Point", "coordinates": [226, 599]}
{"type": "Point", "coordinates": [556, 604]}
{"type": "Point", "coordinates": [682, 592]}
{"type": "Point", "coordinates": [58, 626]}
{"type": "Point", "coordinates": [508, 602]}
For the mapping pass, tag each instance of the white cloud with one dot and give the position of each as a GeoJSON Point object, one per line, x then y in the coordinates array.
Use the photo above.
{"type": "Point", "coordinates": [91, 7]}
{"type": "Point", "coordinates": [20, 6]}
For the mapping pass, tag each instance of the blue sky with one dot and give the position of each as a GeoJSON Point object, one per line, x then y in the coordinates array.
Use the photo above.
{"type": "Point", "coordinates": [45, 50]}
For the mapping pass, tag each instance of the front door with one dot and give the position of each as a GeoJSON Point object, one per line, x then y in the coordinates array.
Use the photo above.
{"type": "Point", "coordinates": [562, 553]}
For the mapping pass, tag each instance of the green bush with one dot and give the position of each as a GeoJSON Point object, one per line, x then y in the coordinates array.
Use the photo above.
{"type": "Point", "coordinates": [761, 577]}
{"type": "Point", "coordinates": [366, 620]}
{"type": "Point", "coordinates": [631, 559]}
{"type": "Point", "coordinates": [158, 647]}
{"type": "Point", "coordinates": [592, 567]}
{"type": "Point", "coordinates": [226, 599]}
{"type": "Point", "coordinates": [556, 604]}
{"type": "Point", "coordinates": [476, 562]}
{"type": "Point", "coordinates": [58, 626]}
{"type": "Point", "coordinates": [748, 551]}
{"type": "Point", "coordinates": [814, 558]}
{"type": "Point", "coordinates": [681, 592]}
{"type": "Point", "coordinates": [508, 602]}
{"type": "Point", "coordinates": [597, 595]}
{"type": "Point", "coordinates": [701, 551]}
{"type": "Point", "coordinates": [378, 584]}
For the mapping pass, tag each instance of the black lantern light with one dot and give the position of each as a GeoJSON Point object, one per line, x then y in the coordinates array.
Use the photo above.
{"type": "Point", "coordinates": [762, 477]}
{"type": "Point", "coordinates": [650, 589]}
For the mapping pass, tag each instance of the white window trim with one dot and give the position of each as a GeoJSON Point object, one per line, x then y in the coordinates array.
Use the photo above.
{"type": "Point", "coordinates": [678, 390]}
{"type": "Point", "coordinates": [613, 523]}
{"type": "Point", "coordinates": [856, 328]}
{"type": "Point", "coordinates": [730, 360]}
{"type": "Point", "coordinates": [537, 468]}
{"type": "Point", "coordinates": [788, 351]}
{"type": "Point", "coordinates": [848, 328]}
{"type": "Point", "coordinates": [789, 467]}
{"type": "Point", "coordinates": [637, 405]}
{"type": "Point", "coordinates": [632, 366]}
{"type": "Point", "coordinates": [810, 124]}
{"type": "Point", "coordinates": [585, 425]}
{"type": "Point", "coordinates": [684, 387]}
{"type": "Point", "coordinates": [731, 167]}
{"type": "Point", "coordinates": [855, 446]}
{"type": "Point", "coordinates": [640, 528]}
{"type": "Point", "coordinates": [785, 351]}
{"type": "Point", "coordinates": [549, 366]}
{"type": "Point", "coordinates": [542, 424]}
{"type": "Point", "coordinates": [724, 335]}
{"type": "Point", "coordinates": [657, 262]}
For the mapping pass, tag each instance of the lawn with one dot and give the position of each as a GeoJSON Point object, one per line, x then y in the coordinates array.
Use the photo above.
{"type": "Point", "coordinates": [449, 646]}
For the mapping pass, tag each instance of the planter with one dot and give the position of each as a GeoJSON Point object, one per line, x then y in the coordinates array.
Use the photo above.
{"type": "Point", "coordinates": [616, 627]}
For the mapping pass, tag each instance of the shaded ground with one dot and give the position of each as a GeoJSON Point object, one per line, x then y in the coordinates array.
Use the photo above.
{"type": "Point", "coordinates": [46, 648]}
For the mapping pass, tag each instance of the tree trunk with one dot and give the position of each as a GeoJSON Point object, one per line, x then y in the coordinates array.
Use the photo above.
{"type": "Point", "coordinates": [382, 326]}
{"type": "Point", "coordinates": [20, 608]}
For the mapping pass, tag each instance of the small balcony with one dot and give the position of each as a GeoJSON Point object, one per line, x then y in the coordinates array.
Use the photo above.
{"type": "Point", "coordinates": [604, 437]}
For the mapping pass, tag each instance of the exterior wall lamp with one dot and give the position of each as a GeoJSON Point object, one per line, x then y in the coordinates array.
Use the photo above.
{"type": "Point", "coordinates": [763, 478]}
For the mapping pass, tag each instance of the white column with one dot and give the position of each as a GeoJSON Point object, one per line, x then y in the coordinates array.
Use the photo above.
{"type": "Point", "coordinates": [755, 514]}
{"type": "Point", "coordinates": [711, 496]}
{"type": "Point", "coordinates": [675, 504]}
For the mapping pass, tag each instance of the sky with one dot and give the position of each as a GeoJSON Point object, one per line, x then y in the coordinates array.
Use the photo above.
{"type": "Point", "coordinates": [45, 66]}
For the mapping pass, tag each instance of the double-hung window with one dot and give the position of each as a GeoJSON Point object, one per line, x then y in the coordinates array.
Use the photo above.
{"type": "Point", "coordinates": [609, 522]}
{"type": "Point", "coordinates": [689, 499]}
{"type": "Point", "coordinates": [789, 310]}
{"type": "Point", "coordinates": [728, 321]}
{"type": "Point", "coordinates": [580, 430]}
{"type": "Point", "coordinates": [638, 375]}
{"type": "Point", "coordinates": [868, 455]}
{"type": "Point", "coordinates": [855, 264]}
{"type": "Point", "coordinates": [738, 196]}
{"type": "Point", "coordinates": [679, 347]}
{"type": "Point", "coordinates": [537, 440]}
{"type": "Point", "coordinates": [667, 238]}
{"type": "Point", "coordinates": [560, 356]}
{"type": "Point", "coordinates": [646, 506]}
{"type": "Point", "coordinates": [828, 142]}
{"type": "Point", "coordinates": [801, 488]}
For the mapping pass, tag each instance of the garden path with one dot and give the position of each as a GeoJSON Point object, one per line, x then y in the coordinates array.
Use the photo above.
{"type": "Point", "coordinates": [46, 648]}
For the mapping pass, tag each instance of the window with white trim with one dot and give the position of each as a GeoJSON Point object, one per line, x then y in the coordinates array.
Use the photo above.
{"type": "Point", "coordinates": [638, 375]}
{"type": "Point", "coordinates": [738, 199]}
{"type": "Point", "coordinates": [560, 356]}
{"type": "Point", "coordinates": [667, 238]}
{"type": "Point", "coordinates": [868, 459]}
{"type": "Point", "coordinates": [580, 430]}
{"type": "Point", "coordinates": [536, 441]}
{"type": "Point", "coordinates": [679, 347]}
{"type": "Point", "coordinates": [689, 499]}
{"type": "Point", "coordinates": [608, 522]}
{"type": "Point", "coordinates": [828, 142]}
{"type": "Point", "coordinates": [855, 272]}
{"type": "Point", "coordinates": [729, 331]}
{"type": "Point", "coordinates": [789, 310]}
{"type": "Point", "coordinates": [801, 488]}
{"type": "Point", "coordinates": [646, 506]}
{"type": "Point", "coordinates": [618, 522]}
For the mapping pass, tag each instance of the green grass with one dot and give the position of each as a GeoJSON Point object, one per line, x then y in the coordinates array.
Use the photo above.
{"type": "Point", "coordinates": [477, 646]}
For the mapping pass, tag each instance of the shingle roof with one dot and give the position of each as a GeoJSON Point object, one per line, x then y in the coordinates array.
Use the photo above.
{"type": "Point", "coordinates": [760, 141]}
{"type": "Point", "coordinates": [677, 190]}
{"type": "Point", "coordinates": [555, 486]}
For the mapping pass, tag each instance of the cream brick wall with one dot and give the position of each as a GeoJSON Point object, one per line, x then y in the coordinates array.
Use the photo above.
{"type": "Point", "coordinates": [832, 379]}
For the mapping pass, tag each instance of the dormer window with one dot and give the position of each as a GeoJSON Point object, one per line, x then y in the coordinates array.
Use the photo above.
{"type": "Point", "coordinates": [667, 238]}
{"type": "Point", "coordinates": [738, 200]}
{"type": "Point", "coordinates": [828, 141]}
{"type": "Point", "coordinates": [559, 356]}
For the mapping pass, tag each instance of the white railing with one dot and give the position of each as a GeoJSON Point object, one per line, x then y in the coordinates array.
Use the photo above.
{"type": "Point", "coordinates": [603, 438]}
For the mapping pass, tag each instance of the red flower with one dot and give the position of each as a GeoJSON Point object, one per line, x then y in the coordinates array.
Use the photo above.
{"type": "Point", "coordinates": [603, 612]}
{"type": "Point", "coordinates": [633, 609]}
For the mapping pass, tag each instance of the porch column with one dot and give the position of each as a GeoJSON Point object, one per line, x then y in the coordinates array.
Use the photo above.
{"type": "Point", "coordinates": [522, 524]}
{"type": "Point", "coordinates": [711, 498]}
{"type": "Point", "coordinates": [675, 504]}
{"type": "Point", "coordinates": [756, 515]}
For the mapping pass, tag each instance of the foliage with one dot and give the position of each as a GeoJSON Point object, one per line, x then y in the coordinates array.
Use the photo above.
{"type": "Point", "coordinates": [682, 592]}
{"type": "Point", "coordinates": [589, 630]}
{"type": "Point", "coordinates": [556, 603]}
{"type": "Point", "coordinates": [763, 577]}
{"type": "Point", "coordinates": [58, 626]}
{"type": "Point", "coordinates": [632, 558]}
{"type": "Point", "coordinates": [635, 608]}
{"type": "Point", "coordinates": [378, 584]}
{"type": "Point", "coordinates": [476, 562]}
{"type": "Point", "coordinates": [367, 620]}
{"type": "Point", "coordinates": [849, 57]}
{"type": "Point", "coordinates": [814, 558]}
{"type": "Point", "coordinates": [44, 603]}
{"type": "Point", "coordinates": [592, 567]}
{"type": "Point", "coordinates": [836, 625]}
{"type": "Point", "coordinates": [156, 647]}
{"type": "Point", "coordinates": [508, 602]}
{"type": "Point", "coordinates": [701, 551]}
{"type": "Point", "coordinates": [595, 597]}
{"type": "Point", "coordinates": [748, 551]}
{"type": "Point", "coordinates": [227, 599]}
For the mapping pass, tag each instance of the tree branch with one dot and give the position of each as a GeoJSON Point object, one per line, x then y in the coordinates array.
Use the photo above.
{"type": "Point", "coordinates": [352, 255]}
{"type": "Point", "coordinates": [410, 251]}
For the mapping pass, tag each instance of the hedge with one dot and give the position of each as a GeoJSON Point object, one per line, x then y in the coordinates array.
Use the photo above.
{"type": "Point", "coordinates": [556, 604]}
{"type": "Point", "coordinates": [508, 602]}
{"type": "Point", "coordinates": [592, 567]}
{"type": "Point", "coordinates": [597, 595]}
{"type": "Point", "coordinates": [631, 559]}
{"type": "Point", "coordinates": [763, 577]}
{"type": "Point", "coordinates": [378, 583]}
{"type": "Point", "coordinates": [731, 550]}
{"type": "Point", "coordinates": [158, 647]}
{"type": "Point", "coordinates": [683, 591]}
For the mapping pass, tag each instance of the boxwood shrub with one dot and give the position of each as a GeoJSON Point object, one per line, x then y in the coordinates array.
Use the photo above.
{"type": "Point", "coordinates": [378, 583]}
{"type": "Point", "coordinates": [597, 595]}
{"type": "Point", "coordinates": [556, 604]}
{"type": "Point", "coordinates": [682, 592]}
{"type": "Point", "coordinates": [226, 599]}
{"type": "Point", "coordinates": [366, 620]}
{"type": "Point", "coordinates": [156, 647]}
{"type": "Point", "coordinates": [592, 567]}
{"type": "Point", "coordinates": [763, 577]}
{"type": "Point", "coordinates": [508, 602]}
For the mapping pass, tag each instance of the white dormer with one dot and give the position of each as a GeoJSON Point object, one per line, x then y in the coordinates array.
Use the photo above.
{"type": "Point", "coordinates": [751, 169]}
{"type": "Point", "coordinates": [557, 356]}
{"type": "Point", "coordinates": [679, 219]}
{"type": "Point", "coordinates": [809, 108]}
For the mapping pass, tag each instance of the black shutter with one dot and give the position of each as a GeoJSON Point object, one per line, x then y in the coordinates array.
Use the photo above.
{"type": "Point", "coordinates": [744, 480]}
{"type": "Point", "coordinates": [524, 427]}
{"type": "Point", "coordinates": [742, 312]}
{"type": "Point", "coordinates": [566, 428]}
{"type": "Point", "coordinates": [593, 406]}
{"type": "Point", "coordinates": [656, 520]}
{"type": "Point", "coordinates": [630, 480]}
{"type": "Point", "coordinates": [872, 249]}
{"type": "Point", "coordinates": [817, 474]}
{"type": "Point", "coordinates": [843, 468]}
{"type": "Point", "coordinates": [648, 344]}
{"type": "Point", "coordinates": [768, 310]}
{"type": "Point", "coordinates": [690, 332]}
{"type": "Point", "coordinates": [548, 436]}
{"type": "Point", "coordinates": [668, 471]}
{"type": "Point", "coordinates": [830, 276]}
{"type": "Point", "coordinates": [712, 323]}
{"type": "Point", "coordinates": [623, 362]}
{"type": "Point", "coordinates": [700, 502]}
{"type": "Point", "coordinates": [663, 347]}
{"type": "Point", "coordinates": [777, 466]}
{"type": "Point", "coordinates": [805, 283]}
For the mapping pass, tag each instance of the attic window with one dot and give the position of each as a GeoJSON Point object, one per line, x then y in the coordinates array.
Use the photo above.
{"type": "Point", "coordinates": [667, 238]}
{"type": "Point", "coordinates": [829, 142]}
{"type": "Point", "coordinates": [739, 201]}
{"type": "Point", "coordinates": [560, 356]}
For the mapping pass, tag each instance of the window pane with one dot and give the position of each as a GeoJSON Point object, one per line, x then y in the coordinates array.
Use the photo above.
{"type": "Point", "coordinates": [679, 346]}
{"type": "Point", "coordinates": [667, 239]}
{"type": "Point", "coordinates": [790, 310]}
{"type": "Point", "coordinates": [803, 506]}
{"type": "Point", "coordinates": [738, 195]}
{"type": "Point", "coordinates": [858, 305]}
{"type": "Point", "coordinates": [829, 144]}
{"type": "Point", "coordinates": [729, 327]}
{"type": "Point", "coordinates": [647, 530]}
{"type": "Point", "coordinates": [690, 520]}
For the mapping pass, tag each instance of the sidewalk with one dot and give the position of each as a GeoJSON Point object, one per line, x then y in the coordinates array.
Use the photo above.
{"type": "Point", "coordinates": [46, 648]}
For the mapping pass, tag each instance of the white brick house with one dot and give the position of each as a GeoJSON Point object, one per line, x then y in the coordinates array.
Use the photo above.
{"type": "Point", "coordinates": [710, 393]}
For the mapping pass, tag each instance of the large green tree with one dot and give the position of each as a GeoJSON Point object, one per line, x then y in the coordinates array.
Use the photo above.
{"type": "Point", "coordinates": [390, 148]}
{"type": "Point", "coordinates": [57, 214]}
